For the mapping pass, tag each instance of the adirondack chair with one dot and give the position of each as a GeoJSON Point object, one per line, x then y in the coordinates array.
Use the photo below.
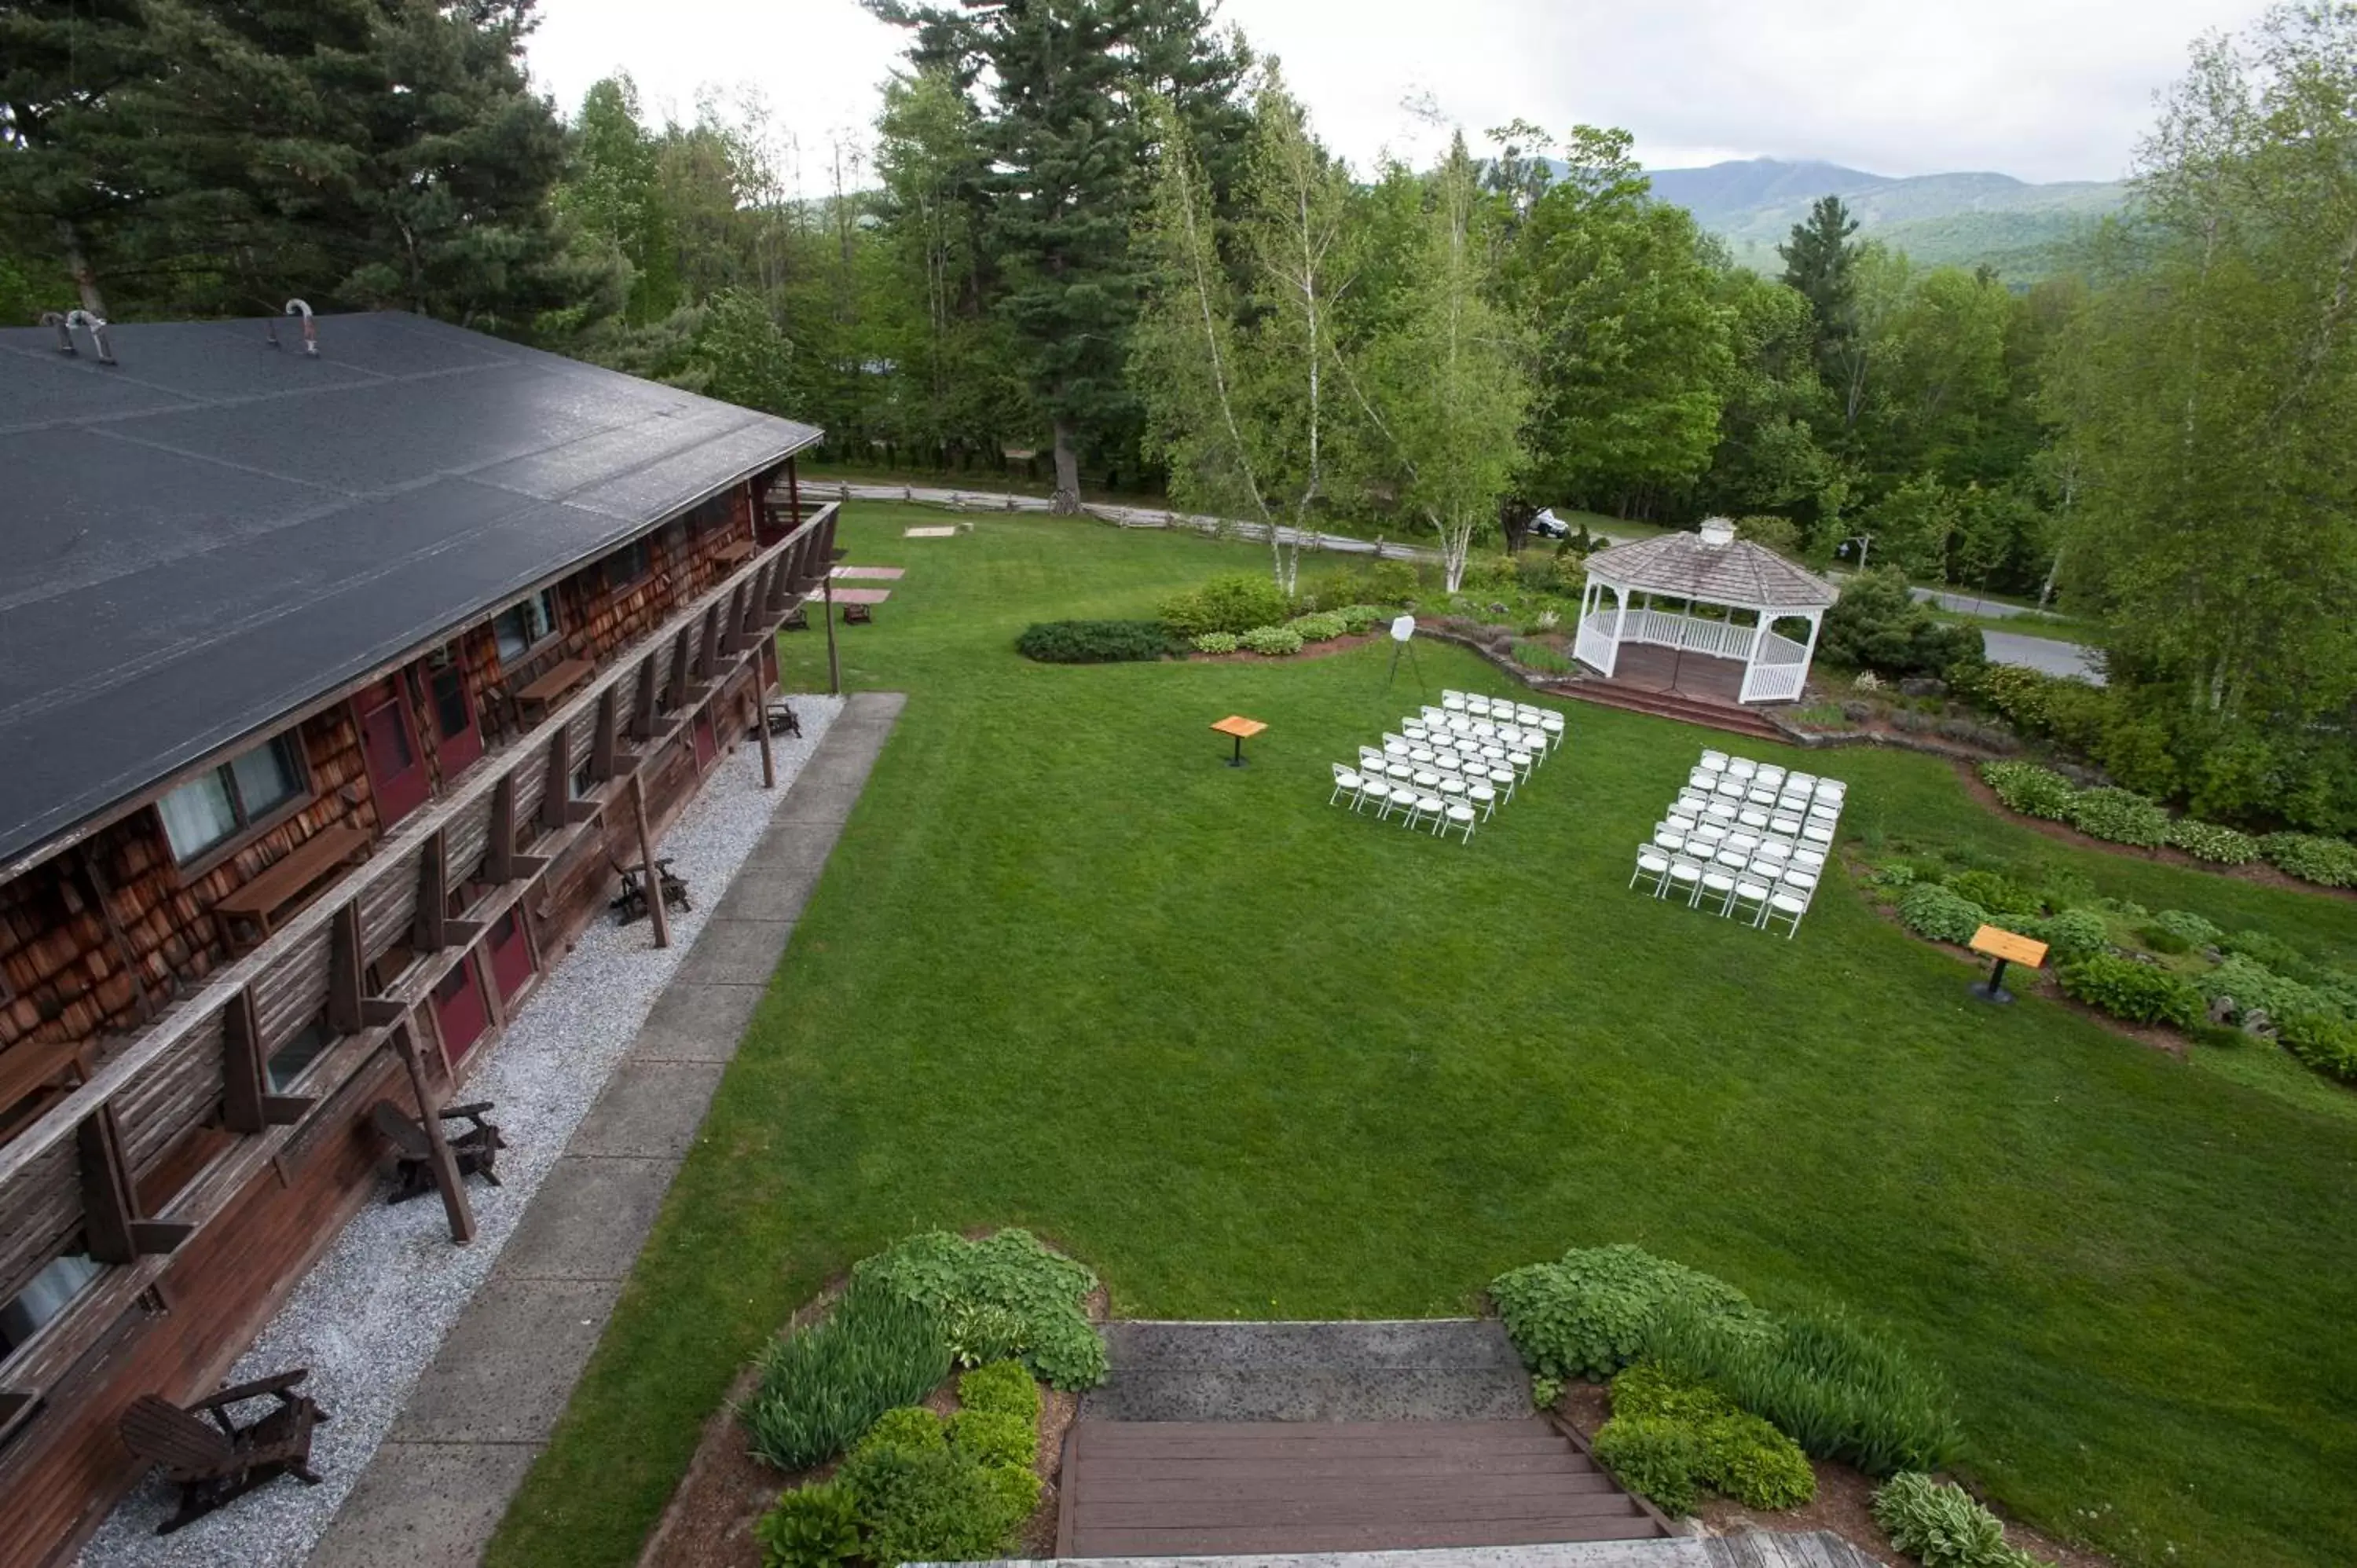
{"type": "Point", "coordinates": [781, 719]}
{"type": "Point", "coordinates": [216, 1464]}
{"type": "Point", "coordinates": [797, 619]}
{"type": "Point", "coordinates": [631, 903]}
{"type": "Point", "coordinates": [475, 1147]}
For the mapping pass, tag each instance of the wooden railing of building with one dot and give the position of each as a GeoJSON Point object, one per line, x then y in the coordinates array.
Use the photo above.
{"type": "Point", "coordinates": [433, 886]}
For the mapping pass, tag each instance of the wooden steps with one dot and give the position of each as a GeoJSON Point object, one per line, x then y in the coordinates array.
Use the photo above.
{"type": "Point", "coordinates": [1196, 1488]}
{"type": "Point", "coordinates": [1724, 717]}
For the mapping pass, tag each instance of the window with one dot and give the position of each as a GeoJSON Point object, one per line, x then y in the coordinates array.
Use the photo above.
{"type": "Point", "coordinates": [289, 1061]}
{"type": "Point", "coordinates": [44, 1295]}
{"type": "Point", "coordinates": [215, 807]}
{"type": "Point", "coordinates": [523, 625]}
{"type": "Point", "coordinates": [626, 565]}
{"type": "Point", "coordinates": [585, 781]}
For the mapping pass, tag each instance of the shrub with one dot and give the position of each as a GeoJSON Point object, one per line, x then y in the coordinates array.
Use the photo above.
{"type": "Point", "coordinates": [1591, 1315]}
{"type": "Point", "coordinates": [1672, 1393]}
{"type": "Point", "coordinates": [1759, 1466]}
{"type": "Point", "coordinates": [1839, 1388]}
{"type": "Point", "coordinates": [996, 1437]}
{"type": "Point", "coordinates": [912, 1429]}
{"type": "Point", "coordinates": [2185, 924]}
{"type": "Point", "coordinates": [1391, 583]}
{"type": "Point", "coordinates": [2323, 1041]}
{"type": "Point", "coordinates": [2072, 934]}
{"type": "Point", "coordinates": [1544, 656]}
{"type": "Point", "coordinates": [1942, 1527]}
{"type": "Point", "coordinates": [1992, 893]}
{"type": "Point", "coordinates": [1272, 640]}
{"type": "Point", "coordinates": [2059, 707]}
{"type": "Point", "coordinates": [2208, 841]}
{"type": "Point", "coordinates": [1652, 1455]}
{"type": "Point", "coordinates": [1358, 618]}
{"type": "Point", "coordinates": [935, 1506]}
{"type": "Point", "coordinates": [1094, 642]}
{"type": "Point", "coordinates": [2033, 790]}
{"type": "Point", "coordinates": [1877, 624]}
{"type": "Point", "coordinates": [1319, 627]}
{"type": "Point", "coordinates": [1931, 911]}
{"type": "Point", "coordinates": [1009, 1278]}
{"type": "Point", "coordinates": [2161, 940]}
{"type": "Point", "coordinates": [1545, 1391]}
{"type": "Point", "coordinates": [1218, 642]}
{"type": "Point", "coordinates": [2120, 816]}
{"type": "Point", "coordinates": [2252, 984]}
{"type": "Point", "coordinates": [824, 1385]}
{"type": "Point", "coordinates": [1002, 1386]}
{"type": "Point", "coordinates": [1236, 601]}
{"type": "Point", "coordinates": [2273, 952]}
{"type": "Point", "coordinates": [2139, 992]}
{"type": "Point", "coordinates": [1014, 1493]}
{"type": "Point", "coordinates": [813, 1527]}
{"type": "Point", "coordinates": [2327, 862]}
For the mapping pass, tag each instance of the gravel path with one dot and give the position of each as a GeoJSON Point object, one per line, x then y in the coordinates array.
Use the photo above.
{"type": "Point", "coordinates": [369, 1315]}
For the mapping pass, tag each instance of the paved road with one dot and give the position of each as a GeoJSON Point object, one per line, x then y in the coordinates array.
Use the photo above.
{"type": "Point", "coordinates": [1973, 604]}
{"type": "Point", "coordinates": [2049, 654]}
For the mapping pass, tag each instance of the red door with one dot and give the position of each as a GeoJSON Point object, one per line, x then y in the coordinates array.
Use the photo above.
{"type": "Point", "coordinates": [458, 1009]}
{"type": "Point", "coordinates": [708, 745]}
{"type": "Point", "coordinates": [396, 773]}
{"type": "Point", "coordinates": [457, 739]}
{"type": "Point", "coordinates": [510, 951]}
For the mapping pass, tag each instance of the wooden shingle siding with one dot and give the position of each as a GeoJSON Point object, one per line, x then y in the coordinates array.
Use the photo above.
{"type": "Point", "coordinates": [38, 1210]}
{"type": "Point", "coordinates": [184, 1091]}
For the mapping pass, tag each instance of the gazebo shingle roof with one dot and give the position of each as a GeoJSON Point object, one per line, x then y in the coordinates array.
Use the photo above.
{"type": "Point", "coordinates": [1736, 573]}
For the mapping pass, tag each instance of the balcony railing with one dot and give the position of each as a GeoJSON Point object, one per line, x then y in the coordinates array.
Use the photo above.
{"type": "Point", "coordinates": [80, 1164]}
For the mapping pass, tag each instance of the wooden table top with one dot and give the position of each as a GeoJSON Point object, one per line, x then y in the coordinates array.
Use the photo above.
{"type": "Point", "coordinates": [1241, 727]}
{"type": "Point", "coordinates": [736, 549]}
{"type": "Point", "coordinates": [861, 595]}
{"type": "Point", "coordinates": [2010, 946]}
{"type": "Point", "coordinates": [874, 573]}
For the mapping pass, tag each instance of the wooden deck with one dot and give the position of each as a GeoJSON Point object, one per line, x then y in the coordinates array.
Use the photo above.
{"type": "Point", "coordinates": [1698, 677]}
{"type": "Point", "coordinates": [1197, 1489]}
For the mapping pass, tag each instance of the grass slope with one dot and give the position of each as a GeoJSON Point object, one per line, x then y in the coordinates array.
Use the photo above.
{"type": "Point", "coordinates": [1250, 1056]}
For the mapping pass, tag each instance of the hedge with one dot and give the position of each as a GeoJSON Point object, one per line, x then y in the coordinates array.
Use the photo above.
{"type": "Point", "coordinates": [1094, 642]}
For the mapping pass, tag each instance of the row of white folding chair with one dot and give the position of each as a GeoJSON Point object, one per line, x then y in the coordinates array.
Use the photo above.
{"type": "Point", "coordinates": [1811, 829]}
{"type": "Point", "coordinates": [1537, 723]}
{"type": "Point", "coordinates": [1416, 806]}
{"type": "Point", "coordinates": [1482, 733]}
{"type": "Point", "coordinates": [1710, 838]}
{"type": "Point", "coordinates": [1767, 774]}
{"type": "Point", "coordinates": [1456, 702]}
{"type": "Point", "coordinates": [1760, 861]}
{"type": "Point", "coordinates": [1729, 787]}
{"type": "Point", "coordinates": [1479, 785]}
{"type": "Point", "coordinates": [1769, 900]}
{"type": "Point", "coordinates": [1429, 754]}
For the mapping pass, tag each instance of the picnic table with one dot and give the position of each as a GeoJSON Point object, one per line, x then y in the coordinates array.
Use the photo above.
{"type": "Point", "coordinates": [552, 686]}
{"type": "Point", "coordinates": [284, 882]}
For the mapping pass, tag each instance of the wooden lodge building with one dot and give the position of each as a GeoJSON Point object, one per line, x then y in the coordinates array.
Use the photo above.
{"type": "Point", "coordinates": [335, 687]}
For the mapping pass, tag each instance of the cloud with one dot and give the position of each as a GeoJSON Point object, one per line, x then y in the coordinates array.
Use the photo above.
{"type": "Point", "coordinates": [2034, 88]}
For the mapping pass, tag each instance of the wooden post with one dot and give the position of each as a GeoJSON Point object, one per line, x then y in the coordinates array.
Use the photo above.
{"type": "Point", "coordinates": [793, 494]}
{"type": "Point", "coordinates": [763, 653]}
{"type": "Point", "coordinates": [833, 659]}
{"type": "Point", "coordinates": [649, 875]}
{"type": "Point", "coordinates": [429, 1112]}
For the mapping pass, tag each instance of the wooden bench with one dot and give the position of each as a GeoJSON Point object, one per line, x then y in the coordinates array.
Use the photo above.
{"type": "Point", "coordinates": [217, 1464]}
{"type": "Point", "coordinates": [735, 551]}
{"type": "Point", "coordinates": [284, 881]}
{"type": "Point", "coordinates": [552, 686]}
{"type": "Point", "coordinates": [475, 1148]}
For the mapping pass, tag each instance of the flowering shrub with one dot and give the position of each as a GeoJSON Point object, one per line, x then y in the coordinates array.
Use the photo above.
{"type": "Point", "coordinates": [2028, 789]}
{"type": "Point", "coordinates": [2327, 862]}
{"type": "Point", "coordinates": [2208, 841]}
{"type": "Point", "coordinates": [1218, 642]}
{"type": "Point", "coordinates": [1272, 639]}
{"type": "Point", "coordinates": [1322, 626]}
{"type": "Point", "coordinates": [2122, 816]}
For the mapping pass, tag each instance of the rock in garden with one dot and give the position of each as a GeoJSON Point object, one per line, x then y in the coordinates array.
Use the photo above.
{"type": "Point", "coordinates": [1923, 687]}
{"type": "Point", "coordinates": [2256, 1022]}
{"type": "Point", "coordinates": [2222, 1009]}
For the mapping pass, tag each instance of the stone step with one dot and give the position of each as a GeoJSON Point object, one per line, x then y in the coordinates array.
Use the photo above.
{"type": "Point", "coordinates": [1669, 705]}
{"type": "Point", "coordinates": [1427, 1369]}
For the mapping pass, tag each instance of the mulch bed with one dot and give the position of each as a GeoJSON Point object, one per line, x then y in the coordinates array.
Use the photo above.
{"type": "Point", "coordinates": [1842, 1503]}
{"type": "Point", "coordinates": [1309, 650]}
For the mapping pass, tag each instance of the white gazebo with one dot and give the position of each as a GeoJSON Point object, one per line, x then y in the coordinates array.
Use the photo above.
{"type": "Point", "coordinates": [1710, 569]}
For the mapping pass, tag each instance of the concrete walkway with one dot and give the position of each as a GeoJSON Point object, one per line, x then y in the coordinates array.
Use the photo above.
{"type": "Point", "coordinates": [1445, 1369]}
{"type": "Point", "coordinates": [484, 1409]}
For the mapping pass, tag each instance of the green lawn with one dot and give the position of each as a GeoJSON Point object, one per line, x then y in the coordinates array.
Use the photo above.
{"type": "Point", "coordinates": [1252, 1056]}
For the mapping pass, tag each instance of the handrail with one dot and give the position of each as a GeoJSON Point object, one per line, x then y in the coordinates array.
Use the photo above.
{"type": "Point", "coordinates": [391, 857]}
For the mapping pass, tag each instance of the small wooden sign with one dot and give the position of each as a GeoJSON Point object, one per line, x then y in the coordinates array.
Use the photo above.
{"type": "Point", "coordinates": [2010, 946]}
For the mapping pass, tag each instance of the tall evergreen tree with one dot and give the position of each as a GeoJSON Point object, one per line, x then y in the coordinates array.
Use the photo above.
{"type": "Point", "coordinates": [1818, 258]}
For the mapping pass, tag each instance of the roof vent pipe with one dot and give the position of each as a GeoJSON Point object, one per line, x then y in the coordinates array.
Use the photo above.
{"type": "Point", "coordinates": [1718, 531]}
{"type": "Point", "coordinates": [94, 325]}
{"type": "Point", "coordinates": [311, 328]}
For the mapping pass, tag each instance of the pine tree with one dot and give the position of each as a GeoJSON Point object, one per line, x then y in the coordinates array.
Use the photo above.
{"type": "Point", "coordinates": [1818, 258]}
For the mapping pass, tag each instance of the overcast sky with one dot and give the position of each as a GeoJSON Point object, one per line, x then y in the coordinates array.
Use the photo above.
{"type": "Point", "coordinates": [2042, 89]}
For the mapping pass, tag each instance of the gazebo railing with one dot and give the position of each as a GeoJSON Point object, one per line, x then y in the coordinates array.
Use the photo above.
{"type": "Point", "coordinates": [1778, 670]}
{"type": "Point", "coordinates": [1663, 628]}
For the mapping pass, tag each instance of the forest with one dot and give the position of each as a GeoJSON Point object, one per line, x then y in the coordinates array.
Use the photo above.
{"type": "Point", "coordinates": [1102, 240]}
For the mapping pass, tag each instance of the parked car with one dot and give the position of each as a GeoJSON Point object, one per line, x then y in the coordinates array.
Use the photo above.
{"type": "Point", "coordinates": [1546, 525]}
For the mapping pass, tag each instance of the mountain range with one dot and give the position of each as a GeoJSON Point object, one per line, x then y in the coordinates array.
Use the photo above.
{"type": "Point", "coordinates": [1962, 219]}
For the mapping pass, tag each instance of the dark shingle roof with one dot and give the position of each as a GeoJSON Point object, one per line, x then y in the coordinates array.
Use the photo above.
{"type": "Point", "coordinates": [213, 532]}
{"type": "Point", "coordinates": [1736, 573]}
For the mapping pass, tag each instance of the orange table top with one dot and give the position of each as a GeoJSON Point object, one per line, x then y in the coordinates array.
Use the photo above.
{"type": "Point", "coordinates": [861, 595]}
{"type": "Point", "coordinates": [1241, 727]}
{"type": "Point", "coordinates": [2009, 946]}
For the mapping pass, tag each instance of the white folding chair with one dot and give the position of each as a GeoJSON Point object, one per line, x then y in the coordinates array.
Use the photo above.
{"type": "Point", "coordinates": [1743, 843]}
{"type": "Point", "coordinates": [1801, 882]}
{"type": "Point", "coordinates": [1452, 700]}
{"type": "Point", "coordinates": [1502, 778]}
{"type": "Point", "coordinates": [1520, 761]}
{"type": "Point", "coordinates": [1452, 788]}
{"type": "Point", "coordinates": [1652, 869]}
{"type": "Point", "coordinates": [1481, 795]}
{"type": "Point", "coordinates": [1460, 817]}
{"type": "Point", "coordinates": [1761, 796]}
{"type": "Point", "coordinates": [1347, 783]}
{"type": "Point", "coordinates": [1668, 840]}
{"type": "Point", "coordinates": [1730, 858]}
{"type": "Point", "coordinates": [1789, 826]}
{"type": "Point", "coordinates": [1728, 789]}
{"type": "Point", "coordinates": [1751, 900]}
{"type": "Point", "coordinates": [1741, 767]}
{"type": "Point", "coordinates": [1679, 823]}
{"type": "Point", "coordinates": [1817, 834]}
{"type": "Point", "coordinates": [1809, 860]}
{"type": "Point", "coordinates": [1413, 732]}
{"type": "Point", "coordinates": [1718, 889]}
{"type": "Point", "coordinates": [1685, 881]}
{"type": "Point", "coordinates": [1784, 906]}
{"type": "Point", "coordinates": [1752, 817]}
{"type": "Point", "coordinates": [1421, 755]}
{"type": "Point", "coordinates": [1720, 812]}
{"type": "Point", "coordinates": [1428, 804]}
{"type": "Point", "coordinates": [1773, 852]}
{"type": "Point", "coordinates": [1398, 770]}
{"type": "Point", "coordinates": [1710, 833]}
{"type": "Point", "coordinates": [1713, 761]}
{"type": "Point", "coordinates": [1426, 779]}
{"type": "Point", "coordinates": [1770, 775]}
